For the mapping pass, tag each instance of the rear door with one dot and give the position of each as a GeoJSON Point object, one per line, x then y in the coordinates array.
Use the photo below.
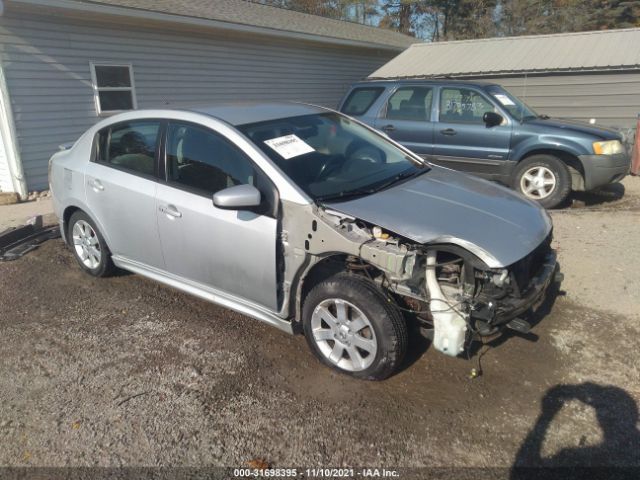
{"type": "Point", "coordinates": [462, 140]}
{"type": "Point", "coordinates": [406, 118]}
{"type": "Point", "coordinates": [121, 187]}
{"type": "Point", "coordinates": [233, 251]}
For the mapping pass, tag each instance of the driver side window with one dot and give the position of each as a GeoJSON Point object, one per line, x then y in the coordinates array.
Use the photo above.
{"type": "Point", "coordinates": [199, 159]}
{"type": "Point", "coordinates": [463, 105]}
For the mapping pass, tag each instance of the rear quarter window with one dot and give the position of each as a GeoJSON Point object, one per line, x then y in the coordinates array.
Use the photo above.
{"type": "Point", "coordinates": [360, 100]}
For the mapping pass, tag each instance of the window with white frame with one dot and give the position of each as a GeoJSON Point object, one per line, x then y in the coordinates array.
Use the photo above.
{"type": "Point", "coordinates": [113, 87]}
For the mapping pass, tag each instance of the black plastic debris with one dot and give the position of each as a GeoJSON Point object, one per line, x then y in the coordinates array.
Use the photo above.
{"type": "Point", "coordinates": [15, 242]}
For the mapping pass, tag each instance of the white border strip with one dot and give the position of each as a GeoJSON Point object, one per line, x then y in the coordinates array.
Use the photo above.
{"type": "Point", "coordinates": [10, 140]}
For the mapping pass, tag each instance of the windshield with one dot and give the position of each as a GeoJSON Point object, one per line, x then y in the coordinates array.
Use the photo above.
{"type": "Point", "coordinates": [516, 107]}
{"type": "Point", "coordinates": [330, 156]}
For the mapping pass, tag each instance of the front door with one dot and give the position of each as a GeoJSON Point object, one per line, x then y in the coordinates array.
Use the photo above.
{"type": "Point", "coordinates": [462, 140]}
{"type": "Point", "coordinates": [407, 119]}
{"type": "Point", "coordinates": [228, 250]}
{"type": "Point", "coordinates": [121, 189]}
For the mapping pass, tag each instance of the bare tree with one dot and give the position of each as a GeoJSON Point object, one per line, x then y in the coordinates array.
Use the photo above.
{"type": "Point", "coordinates": [438, 20]}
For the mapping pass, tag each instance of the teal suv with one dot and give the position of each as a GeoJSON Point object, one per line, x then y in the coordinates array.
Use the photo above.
{"type": "Point", "coordinates": [482, 129]}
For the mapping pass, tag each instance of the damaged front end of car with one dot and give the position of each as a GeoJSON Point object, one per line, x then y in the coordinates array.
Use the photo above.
{"type": "Point", "coordinates": [445, 285]}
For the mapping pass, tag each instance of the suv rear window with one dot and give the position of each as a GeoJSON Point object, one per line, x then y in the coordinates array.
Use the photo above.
{"type": "Point", "coordinates": [360, 99]}
{"type": "Point", "coordinates": [410, 103]}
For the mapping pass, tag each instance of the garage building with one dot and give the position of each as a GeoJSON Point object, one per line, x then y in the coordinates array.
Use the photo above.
{"type": "Point", "coordinates": [65, 63]}
{"type": "Point", "coordinates": [589, 76]}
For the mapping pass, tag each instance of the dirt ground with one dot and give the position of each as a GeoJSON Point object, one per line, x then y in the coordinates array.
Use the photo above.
{"type": "Point", "coordinates": [123, 371]}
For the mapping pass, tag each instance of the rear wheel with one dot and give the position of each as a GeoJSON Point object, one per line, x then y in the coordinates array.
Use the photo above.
{"type": "Point", "coordinates": [88, 246]}
{"type": "Point", "coordinates": [352, 327]}
{"type": "Point", "coordinates": [543, 178]}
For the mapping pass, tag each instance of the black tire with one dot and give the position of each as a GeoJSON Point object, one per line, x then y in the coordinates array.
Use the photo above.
{"type": "Point", "coordinates": [105, 266]}
{"type": "Point", "coordinates": [388, 324]}
{"type": "Point", "coordinates": [557, 167]}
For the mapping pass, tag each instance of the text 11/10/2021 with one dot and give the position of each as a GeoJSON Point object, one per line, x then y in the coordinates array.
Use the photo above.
{"type": "Point", "coordinates": [320, 472]}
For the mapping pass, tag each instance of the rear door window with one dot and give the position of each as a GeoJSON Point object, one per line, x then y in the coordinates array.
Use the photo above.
{"type": "Point", "coordinates": [130, 146]}
{"type": "Point", "coordinates": [410, 103]}
{"type": "Point", "coordinates": [360, 100]}
{"type": "Point", "coordinates": [463, 105]}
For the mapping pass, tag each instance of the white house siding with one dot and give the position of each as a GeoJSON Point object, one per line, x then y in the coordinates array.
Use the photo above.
{"type": "Point", "coordinates": [46, 60]}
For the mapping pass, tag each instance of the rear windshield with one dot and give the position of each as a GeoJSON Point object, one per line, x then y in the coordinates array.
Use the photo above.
{"type": "Point", "coordinates": [360, 99]}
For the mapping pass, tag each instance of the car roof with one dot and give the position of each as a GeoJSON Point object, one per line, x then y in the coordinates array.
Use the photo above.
{"type": "Point", "coordinates": [426, 81]}
{"type": "Point", "coordinates": [241, 113]}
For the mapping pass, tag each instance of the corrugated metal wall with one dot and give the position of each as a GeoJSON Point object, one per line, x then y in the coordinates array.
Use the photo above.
{"type": "Point", "coordinates": [613, 99]}
{"type": "Point", "coordinates": [46, 61]}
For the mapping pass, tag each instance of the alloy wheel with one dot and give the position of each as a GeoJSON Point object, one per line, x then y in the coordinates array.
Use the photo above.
{"type": "Point", "coordinates": [86, 244]}
{"type": "Point", "coordinates": [344, 334]}
{"type": "Point", "coordinates": [538, 182]}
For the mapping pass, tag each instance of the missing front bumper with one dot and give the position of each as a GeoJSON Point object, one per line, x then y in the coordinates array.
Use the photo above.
{"type": "Point", "coordinates": [511, 309]}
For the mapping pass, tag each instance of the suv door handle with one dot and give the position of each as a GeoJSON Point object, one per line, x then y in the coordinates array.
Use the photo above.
{"type": "Point", "coordinates": [389, 128]}
{"type": "Point", "coordinates": [96, 185]}
{"type": "Point", "coordinates": [170, 211]}
{"type": "Point", "coordinates": [448, 131]}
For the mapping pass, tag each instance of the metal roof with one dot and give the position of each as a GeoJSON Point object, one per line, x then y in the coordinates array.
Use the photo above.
{"type": "Point", "coordinates": [599, 50]}
{"type": "Point", "coordinates": [242, 12]}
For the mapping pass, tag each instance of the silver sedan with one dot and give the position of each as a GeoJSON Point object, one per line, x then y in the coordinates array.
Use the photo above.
{"type": "Point", "coordinates": [308, 220]}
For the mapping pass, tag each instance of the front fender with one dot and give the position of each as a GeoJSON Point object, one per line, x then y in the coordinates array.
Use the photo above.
{"type": "Point", "coordinates": [549, 143]}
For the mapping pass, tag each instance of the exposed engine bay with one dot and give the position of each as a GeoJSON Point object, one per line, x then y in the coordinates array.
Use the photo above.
{"type": "Point", "coordinates": [450, 291]}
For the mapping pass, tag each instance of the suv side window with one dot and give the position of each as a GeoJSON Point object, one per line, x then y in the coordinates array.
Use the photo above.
{"type": "Point", "coordinates": [463, 105]}
{"type": "Point", "coordinates": [201, 159]}
{"type": "Point", "coordinates": [130, 145]}
{"type": "Point", "coordinates": [360, 100]}
{"type": "Point", "coordinates": [410, 103]}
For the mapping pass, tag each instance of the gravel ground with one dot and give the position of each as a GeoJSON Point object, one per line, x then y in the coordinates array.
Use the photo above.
{"type": "Point", "coordinates": [123, 371]}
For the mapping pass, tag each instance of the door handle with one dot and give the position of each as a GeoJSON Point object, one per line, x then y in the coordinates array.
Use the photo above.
{"type": "Point", "coordinates": [448, 131]}
{"type": "Point", "coordinates": [389, 128]}
{"type": "Point", "coordinates": [96, 185]}
{"type": "Point", "coordinates": [170, 211]}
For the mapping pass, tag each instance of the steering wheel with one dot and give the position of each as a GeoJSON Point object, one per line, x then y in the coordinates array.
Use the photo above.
{"type": "Point", "coordinates": [330, 166]}
{"type": "Point", "coordinates": [359, 154]}
{"type": "Point", "coordinates": [368, 153]}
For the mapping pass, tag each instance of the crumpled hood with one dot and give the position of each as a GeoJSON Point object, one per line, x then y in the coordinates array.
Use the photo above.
{"type": "Point", "coordinates": [576, 126]}
{"type": "Point", "coordinates": [444, 206]}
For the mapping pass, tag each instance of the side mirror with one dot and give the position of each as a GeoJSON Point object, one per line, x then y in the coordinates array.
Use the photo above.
{"type": "Point", "coordinates": [491, 119]}
{"type": "Point", "coordinates": [237, 198]}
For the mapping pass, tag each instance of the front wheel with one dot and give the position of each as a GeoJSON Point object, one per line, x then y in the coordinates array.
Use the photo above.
{"type": "Point", "coordinates": [353, 328]}
{"type": "Point", "coordinates": [543, 178]}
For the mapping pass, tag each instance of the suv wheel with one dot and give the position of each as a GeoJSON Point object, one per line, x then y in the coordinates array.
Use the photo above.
{"type": "Point", "coordinates": [88, 246]}
{"type": "Point", "coordinates": [353, 328]}
{"type": "Point", "coordinates": [543, 178]}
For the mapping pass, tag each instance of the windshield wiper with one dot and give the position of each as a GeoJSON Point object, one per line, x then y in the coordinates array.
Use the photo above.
{"type": "Point", "coordinates": [344, 195]}
{"type": "Point", "coordinates": [368, 191]}
{"type": "Point", "coordinates": [400, 176]}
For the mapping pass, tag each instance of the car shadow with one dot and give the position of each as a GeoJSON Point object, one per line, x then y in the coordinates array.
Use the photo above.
{"type": "Point", "coordinates": [418, 343]}
{"type": "Point", "coordinates": [617, 455]}
{"type": "Point", "coordinates": [606, 194]}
